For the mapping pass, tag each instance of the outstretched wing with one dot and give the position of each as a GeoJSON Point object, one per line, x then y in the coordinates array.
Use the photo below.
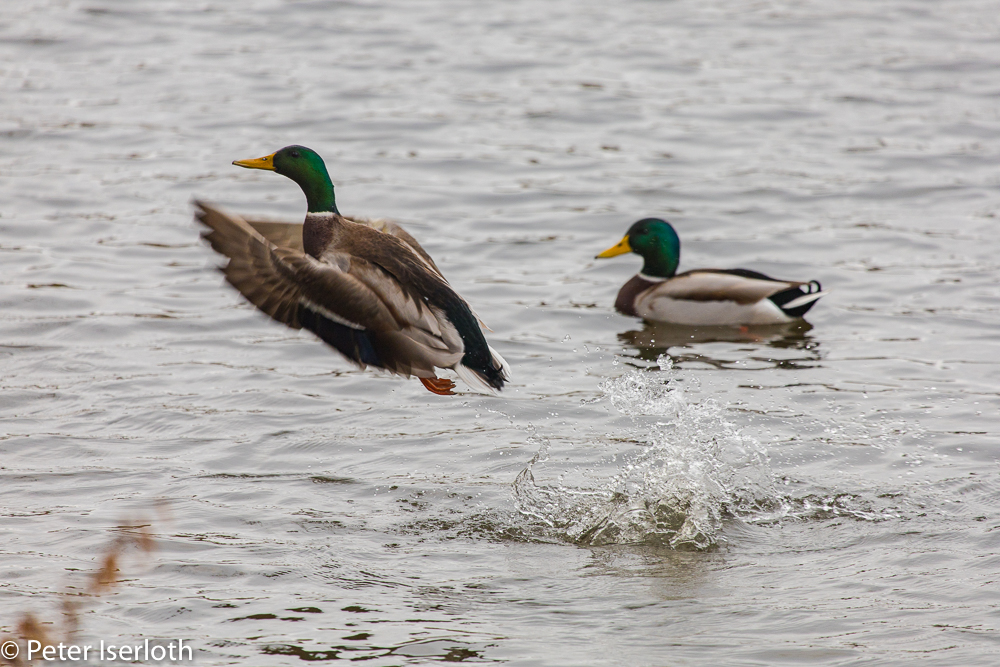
{"type": "Point", "coordinates": [394, 229]}
{"type": "Point", "coordinates": [349, 303]}
{"type": "Point", "coordinates": [289, 234]}
{"type": "Point", "coordinates": [281, 234]}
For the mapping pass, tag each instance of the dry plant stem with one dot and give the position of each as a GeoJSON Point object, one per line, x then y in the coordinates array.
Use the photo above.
{"type": "Point", "coordinates": [132, 534]}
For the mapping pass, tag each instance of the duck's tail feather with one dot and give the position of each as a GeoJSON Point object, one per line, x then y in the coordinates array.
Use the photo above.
{"type": "Point", "coordinates": [489, 380]}
{"type": "Point", "coordinates": [796, 301]}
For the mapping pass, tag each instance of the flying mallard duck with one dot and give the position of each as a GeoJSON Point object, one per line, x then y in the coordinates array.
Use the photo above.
{"type": "Point", "coordinates": [367, 288]}
{"type": "Point", "coordinates": [702, 296]}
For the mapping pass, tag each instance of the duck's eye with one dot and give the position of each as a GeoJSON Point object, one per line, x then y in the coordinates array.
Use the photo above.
{"type": "Point", "coordinates": [295, 153]}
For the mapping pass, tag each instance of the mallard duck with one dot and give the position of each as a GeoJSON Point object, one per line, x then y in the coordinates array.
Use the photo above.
{"type": "Point", "coordinates": [365, 287]}
{"type": "Point", "coordinates": [702, 296]}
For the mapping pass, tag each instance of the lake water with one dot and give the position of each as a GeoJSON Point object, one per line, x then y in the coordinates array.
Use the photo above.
{"type": "Point", "coordinates": [821, 494]}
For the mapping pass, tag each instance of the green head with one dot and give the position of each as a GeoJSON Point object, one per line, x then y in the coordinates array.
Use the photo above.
{"type": "Point", "coordinates": [656, 241]}
{"type": "Point", "coordinates": [305, 167]}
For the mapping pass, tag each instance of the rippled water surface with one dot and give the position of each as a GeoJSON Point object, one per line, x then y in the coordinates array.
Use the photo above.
{"type": "Point", "coordinates": [819, 494]}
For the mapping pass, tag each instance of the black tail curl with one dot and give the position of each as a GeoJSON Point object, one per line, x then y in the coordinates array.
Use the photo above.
{"type": "Point", "coordinates": [792, 293]}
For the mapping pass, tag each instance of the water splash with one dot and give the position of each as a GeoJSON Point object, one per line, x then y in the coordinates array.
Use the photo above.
{"type": "Point", "coordinates": [692, 468]}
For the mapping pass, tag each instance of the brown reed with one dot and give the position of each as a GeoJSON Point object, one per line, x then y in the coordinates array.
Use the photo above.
{"type": "Point", "coordinates": [131, 537]}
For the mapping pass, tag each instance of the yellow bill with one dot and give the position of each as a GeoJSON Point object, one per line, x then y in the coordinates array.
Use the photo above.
{"type": "Point", "coordinates": [266, 162]}
{"type": "Point", "coordinates": [615, 250]}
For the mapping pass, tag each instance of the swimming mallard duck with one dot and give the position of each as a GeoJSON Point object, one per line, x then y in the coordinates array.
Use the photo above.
{"type": "Point", "coordinates": [367, 288]}
{"type": "Point", "coordinates": [702, 296]}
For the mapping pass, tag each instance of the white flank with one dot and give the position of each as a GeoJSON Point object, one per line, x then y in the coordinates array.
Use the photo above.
{"type": "Point", "coordinates": [709, 313]}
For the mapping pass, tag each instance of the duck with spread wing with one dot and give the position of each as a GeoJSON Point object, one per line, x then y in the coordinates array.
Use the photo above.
{"type": "Point", "coordinates": [365, 287]}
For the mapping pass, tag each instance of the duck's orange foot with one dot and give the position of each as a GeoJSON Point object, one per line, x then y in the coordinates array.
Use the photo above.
{"type": "Point", "coordinates": [439, 386]}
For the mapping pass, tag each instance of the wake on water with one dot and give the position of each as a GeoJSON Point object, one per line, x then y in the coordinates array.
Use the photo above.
{"type": "Point", "coordinates": [693, 468]}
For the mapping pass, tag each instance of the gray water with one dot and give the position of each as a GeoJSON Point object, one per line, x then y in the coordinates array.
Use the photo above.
{"type": "Point", "coordinates": [821, 494]}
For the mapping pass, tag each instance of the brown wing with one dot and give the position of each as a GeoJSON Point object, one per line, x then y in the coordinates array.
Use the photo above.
{"type": "Point", "coordinates": [289, 234]}
{"type": "Point", "coordinates": [394, 229]}
{"type": "Point", "coordinates": [277, 280]}
{"type": "Point", "coordinates": [281, 234]}
{"type": "Point", "coordinates": [422, 321]}
{"type": "Point", "coordinates": [348, 302]}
